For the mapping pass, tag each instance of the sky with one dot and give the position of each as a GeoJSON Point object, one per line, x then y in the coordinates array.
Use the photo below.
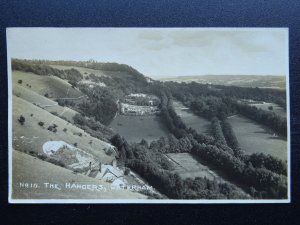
{"type": "Point", "coordinates": [161, 52]}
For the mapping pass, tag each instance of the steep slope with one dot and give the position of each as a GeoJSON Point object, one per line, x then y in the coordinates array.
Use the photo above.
{"type": "Point", "coordinates": [53, 86]}
{"type": "Point", "coordinates": [31, 136]}
{"type": "Point", "coordinates": [31, 170]}
{"type": "Point", "coordinates": [43, 102]}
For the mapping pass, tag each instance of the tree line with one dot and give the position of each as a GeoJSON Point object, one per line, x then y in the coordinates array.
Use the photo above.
{"type": "Point", "coordinates": [266, 180]}
{"type": "Point", "coordinates": [153, 166]}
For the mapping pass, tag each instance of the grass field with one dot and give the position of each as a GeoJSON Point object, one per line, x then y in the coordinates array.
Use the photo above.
{"type": "Point", "coordinates": [31, 136]}
{"type": "Point", "coordinates": [187, 166]}
{"type": "Point", "coordinates": [136, 128]}
{"type": "Point", "coordinates": [276, 108]}
{"type": "Point", "coordinates": [51, 85]}
{"type": "Point", "coordinates": [200, 124]}
{"type": "Point", "coordinates": [256, 138]}
{"type": "Point", "coordinates": [31, 170]}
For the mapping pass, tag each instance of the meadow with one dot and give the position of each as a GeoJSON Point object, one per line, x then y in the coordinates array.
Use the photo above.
{"type": "Point", "coordinates": [255, 138]}
{"type": "Point", "coordinates": [136, 128]}
{"type": "Point", "coordinates": [275, 108]}
{"type": "Point", "coordinates": [200, 124]}
{"type": "Point", "coordinates": [189, 167]}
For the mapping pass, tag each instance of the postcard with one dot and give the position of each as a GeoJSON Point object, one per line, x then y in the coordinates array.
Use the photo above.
{"type": "Point", "coordinates": [148, 115]}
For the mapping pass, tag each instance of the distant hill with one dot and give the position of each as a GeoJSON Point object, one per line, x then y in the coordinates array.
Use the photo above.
{"type": "Point", "coordinates": [267, 81]}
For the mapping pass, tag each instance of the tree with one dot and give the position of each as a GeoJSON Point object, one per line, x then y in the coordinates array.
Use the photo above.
{"type": "Point", "coordinates": [41, 123]}
{"type": "Point", "coordinates": [20, 81]}
{"type": "Point", "coordinates": [21, 120]}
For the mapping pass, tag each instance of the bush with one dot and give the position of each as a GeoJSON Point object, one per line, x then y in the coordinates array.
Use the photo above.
{"type": "Point", "coordinates": [21, 120]}
{"type": "Point", "coordinates": [75, 144]}
{"type": "Point", "coordinates": [20, 81]}
{"type": "Point", "coordinates": [41, 123]}
{"type": "Point", "coordinates": [65, 130]}
{"type": "Point", "coordinates": [127, 171]}
{"type": "Point", "coordinates": [52, 128]}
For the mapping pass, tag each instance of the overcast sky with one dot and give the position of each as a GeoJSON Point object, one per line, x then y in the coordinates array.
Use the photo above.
{"type": "Point", "coordinates": [158, 52]}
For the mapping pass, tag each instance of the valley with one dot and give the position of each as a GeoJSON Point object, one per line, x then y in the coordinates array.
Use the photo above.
{"type": "Point", "coordinates": [107, 124]}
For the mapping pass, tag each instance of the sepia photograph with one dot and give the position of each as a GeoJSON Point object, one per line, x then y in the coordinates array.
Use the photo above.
{"type": "Point", "coordinates": [148, 115]}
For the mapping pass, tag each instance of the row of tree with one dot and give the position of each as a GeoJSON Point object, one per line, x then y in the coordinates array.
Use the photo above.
{"type": "Point", "coordinates": [157, 170]}
{"type": "Point", "coordinates": [266, 179]}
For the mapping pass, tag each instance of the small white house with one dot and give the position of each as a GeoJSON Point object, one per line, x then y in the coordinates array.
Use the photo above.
{"type": "Point", "coordinates": [108, 173]}
{"type": "Point", "coordinates": [119, 183]}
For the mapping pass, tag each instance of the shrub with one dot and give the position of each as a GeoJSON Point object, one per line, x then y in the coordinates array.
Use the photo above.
{"type": "Point", "coordinates": [75, 144]}
{"type": "Point", "coordinates": [127, 171]}
{"type": "Point", "coordinates": [41, 123]}
{"type": "Point", "coordinates": [52, 128]}
{"type": "Point", "coordinates": [20, 81]}
{"type": "Point", "coordinates": [65, 130]}
{"type": "Point", "coordinates": [21, 120]}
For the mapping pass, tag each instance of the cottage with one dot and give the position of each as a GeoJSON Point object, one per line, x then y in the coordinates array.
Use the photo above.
{"type": "Point", "coordinates": [119, 183]}
{"type": "Point", "coordinates": [106, 173]}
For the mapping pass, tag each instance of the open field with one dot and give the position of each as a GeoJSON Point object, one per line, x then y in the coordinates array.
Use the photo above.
{"type": "Point", "coordinates": [276, 108]}
{"type": "Point", "coordinates": [51, 85]}
{"type": "Point", "coordinates": [200, 124]}
{"type": "Point", "coordinates": [43, 102]}
{"type": "Point", "coordinates": [136, 128]}
{"type": "Point", "coordinates": [30, 136]}
{"type": "Point", "coordinates": [187, 166]}
{"type": "Point", "coordinates": [256, 138]}
{"type": "Point", "coordinates": [31, 170]}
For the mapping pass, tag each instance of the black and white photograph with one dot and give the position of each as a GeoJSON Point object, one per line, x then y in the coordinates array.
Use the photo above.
{"type": "Point", "coordinates": [148, 115]}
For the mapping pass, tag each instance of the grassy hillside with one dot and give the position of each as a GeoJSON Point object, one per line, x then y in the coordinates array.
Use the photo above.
{"type": "Point", "coordinates": [28, 169]}
{"type": "Point", "coordinates": [51, 85]}
{"type": "Point", "coordinates": [43, 102]}
{"type": "Point", "coordinates": [31, 136]}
